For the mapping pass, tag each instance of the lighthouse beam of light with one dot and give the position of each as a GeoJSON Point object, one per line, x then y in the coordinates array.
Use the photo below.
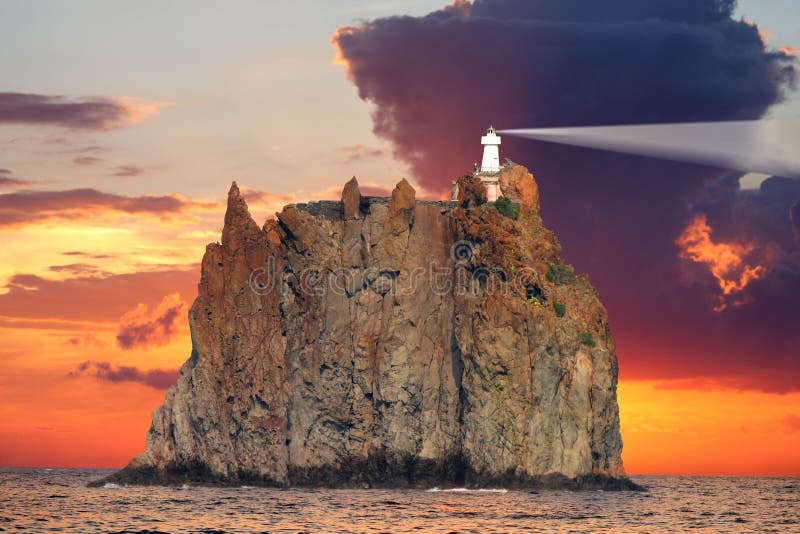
{"type": "Point", "coordinates": [764, 146]}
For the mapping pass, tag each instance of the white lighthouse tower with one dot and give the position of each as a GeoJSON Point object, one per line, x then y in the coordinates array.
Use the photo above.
{"type": "Point", "coordinates": [490, 165]}
{"type": "Point", "coordinates": [491, 152]}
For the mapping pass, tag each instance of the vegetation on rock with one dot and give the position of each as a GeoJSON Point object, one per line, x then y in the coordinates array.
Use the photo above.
{"type": "Point", "coordinates": [588, 339]}
{"type": "Point", "coordinates": [560, 274]}
{"type": "Point", "coordinates": [506, 207]}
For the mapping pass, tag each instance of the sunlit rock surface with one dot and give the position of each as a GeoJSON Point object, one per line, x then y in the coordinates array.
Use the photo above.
{"type": "Point", "coordinates": [392, 342]}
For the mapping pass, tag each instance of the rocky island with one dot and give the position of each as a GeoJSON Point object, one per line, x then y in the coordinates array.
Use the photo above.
{"type": "Point", "coordinates": [392, 342]}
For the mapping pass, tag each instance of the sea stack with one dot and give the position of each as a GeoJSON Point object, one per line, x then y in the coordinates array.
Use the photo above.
{"type": "Point", "coordinates": [392, 342]}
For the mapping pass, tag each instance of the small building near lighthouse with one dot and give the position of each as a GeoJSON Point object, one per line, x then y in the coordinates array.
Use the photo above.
{"type": "Point", "coordinates": [489, 170]}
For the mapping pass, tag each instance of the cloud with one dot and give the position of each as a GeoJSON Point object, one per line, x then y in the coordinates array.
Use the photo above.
{"type": "Point", "coordinates": [27, 207]}
{"type": "Point", "coordinates": [86, 160]}
{"type": "Point", "coordinates": [92, 298]}
{"type": "Point", "coordinates": [91, 149]}
{"type": "Point", "coordinates": [791, 50]}
{"type": "Point", "coordinates": [7, 179]}
{"type": "Point", "coordinates": [127, 171]}
{"type": "Point", "coordinates": [95, 113]}
{"type": "Point", "coordinates": [142, 327]}
{"type": "Point", "coordinates": [105, 371]}
{"type": "Point", "coordinates": [265, 198]}
{"type": "Point", "coordinates": [437, 81]}
{"type": "Point", "coordinates": [727, 262]}
{"type": "Point", "coordinates": [80, 269]}
{"type": "Point", "coordinates": [355, 153]}
{"type": "Point", "coordinates": [552, 63]}
{"type": "Point", "coordinates": [87, 254]}
{"type": "Point", "coordinates": [85, 340]}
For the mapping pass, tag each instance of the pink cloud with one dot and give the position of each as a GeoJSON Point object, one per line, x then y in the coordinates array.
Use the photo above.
{"type": "Point", "coordinates": [142, 327]}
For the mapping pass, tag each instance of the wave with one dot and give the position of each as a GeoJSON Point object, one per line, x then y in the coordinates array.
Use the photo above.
{"type": "Point", "coordinates": [467, 490]}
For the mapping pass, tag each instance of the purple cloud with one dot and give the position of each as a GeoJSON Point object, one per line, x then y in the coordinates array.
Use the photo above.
{"type": "Point", "coordinates": [95, 113]}
{"type": "Point", "coordinates": [154, 378]}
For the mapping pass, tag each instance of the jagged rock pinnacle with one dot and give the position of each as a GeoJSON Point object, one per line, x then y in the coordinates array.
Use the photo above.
{"type": "Point", "coordinates": [351, 199]}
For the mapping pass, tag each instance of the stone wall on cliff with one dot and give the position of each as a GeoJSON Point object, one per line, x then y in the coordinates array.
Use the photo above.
{"type": "Point", "coordinates": [365, 342]}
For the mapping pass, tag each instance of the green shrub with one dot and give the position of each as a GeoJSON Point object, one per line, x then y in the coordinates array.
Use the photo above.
{"type": "Point", "coordinates": [560, 308]}
{"type": "Point", "coordinates": [560, 274]}
{"type": "Point", "coordinates": [507, 208]}
{"type": "Point", "coordinates": [587, 339]}
{"type": "Point", "coordinates": [536, 300]}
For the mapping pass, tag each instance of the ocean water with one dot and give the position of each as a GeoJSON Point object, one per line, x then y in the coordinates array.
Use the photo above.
{"type": "Point", "coordinates": [40, 500]}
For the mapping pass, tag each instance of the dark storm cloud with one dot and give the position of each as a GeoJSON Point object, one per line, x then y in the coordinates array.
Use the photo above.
{"type": "Point", "coordinates": [763, 215]}
{"type": "Point", "coordinates": [89, 113]}
{"type": "Point", "coordinates": [438, 81]}
{"type": "Point", "coordinates": [154, 378]}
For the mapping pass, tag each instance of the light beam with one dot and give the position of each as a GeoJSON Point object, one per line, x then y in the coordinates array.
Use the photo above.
{"type": "Point", "coordinates": [764, 146]}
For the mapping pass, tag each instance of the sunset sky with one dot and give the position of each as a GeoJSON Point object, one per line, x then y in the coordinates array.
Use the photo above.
{"type": "Point", "coordinates": [122, 125]}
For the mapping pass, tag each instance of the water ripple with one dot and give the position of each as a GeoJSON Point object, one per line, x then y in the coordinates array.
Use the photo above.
{"type": "Point", "coordinates": [36, 500]}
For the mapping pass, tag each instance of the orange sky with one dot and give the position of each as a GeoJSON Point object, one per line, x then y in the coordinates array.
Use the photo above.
{"type": "Point", "coordinates": [107, 206]}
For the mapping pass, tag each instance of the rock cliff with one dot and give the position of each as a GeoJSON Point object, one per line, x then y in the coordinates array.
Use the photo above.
{"type": "Point", "coordinates": [378, 341]}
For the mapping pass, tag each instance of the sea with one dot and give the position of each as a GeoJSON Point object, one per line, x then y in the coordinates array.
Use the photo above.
{"type": "Point", "coordinates": [58, 500]}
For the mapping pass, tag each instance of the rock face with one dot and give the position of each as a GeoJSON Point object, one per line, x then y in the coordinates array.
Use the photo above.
{"type": "Point", "coordinates": [367, 342]}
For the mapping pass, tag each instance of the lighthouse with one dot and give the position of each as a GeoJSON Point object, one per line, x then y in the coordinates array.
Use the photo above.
{"type": "Point", "coordinates": [491, 152]}
{"type": "Point", "coordinates": [489, 170]}
{"type": "Point", "coordinates": [490, 165]}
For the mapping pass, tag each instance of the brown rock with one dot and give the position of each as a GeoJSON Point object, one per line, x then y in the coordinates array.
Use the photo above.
{"type": "Point", "coordinates": [351, 200]}
{"type": "Point", "coordinates": [518, 184]}
{"type": "Point", "coordinates": [369, 351]}
{"type": "Point", "coordinates": [393, 241]}
{"type": "Point", "coordinates": [402, 202]}
{"type": "Point", "coordinates": [471, 192]}
{"type": "Point", "coordinates": [239, 224]}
